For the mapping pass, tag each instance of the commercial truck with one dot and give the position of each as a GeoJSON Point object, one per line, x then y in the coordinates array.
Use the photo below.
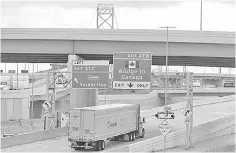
{"type": "Point", "coordinates": [90, 127]}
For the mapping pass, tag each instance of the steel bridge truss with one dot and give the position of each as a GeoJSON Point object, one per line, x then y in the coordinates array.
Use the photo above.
{"type": "Point", "coordinates": [105, 16]}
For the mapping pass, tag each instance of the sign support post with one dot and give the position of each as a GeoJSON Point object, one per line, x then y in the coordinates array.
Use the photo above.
{"type": "Point", "coordinates": [167, 50]}
{"type": "Point", "coordinates": [47, 97]}
{"type": "Point", "coordinates": [189, 107]}
{"type": "Point", "coordinates": [32, 99]}
{"type": "Point", "coordinates": [54, 101]}
{"type": "Point", "coordinates": [105, 96]}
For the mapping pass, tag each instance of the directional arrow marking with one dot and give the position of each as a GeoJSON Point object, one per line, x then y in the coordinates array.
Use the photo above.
{"type": "Point", "coordinates": [76, 80]}
{"type": "Point", "coordinates": [130, 85]}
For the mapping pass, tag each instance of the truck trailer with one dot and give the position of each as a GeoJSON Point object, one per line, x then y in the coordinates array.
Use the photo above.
{"type": "Point", "coordinates": [90, 127]}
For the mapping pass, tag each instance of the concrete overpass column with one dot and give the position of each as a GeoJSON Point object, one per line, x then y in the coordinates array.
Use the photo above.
{"type": "Point", "coordinates": [201, 83]}
{"type": "Point", "coordinates": [222, 82]}
{"type": "Point", "coordinates": [80, 97]}
{"type": "Point", "coordinates": [159, 68]}
{"type": "Point", "coordinates": [219, 70]}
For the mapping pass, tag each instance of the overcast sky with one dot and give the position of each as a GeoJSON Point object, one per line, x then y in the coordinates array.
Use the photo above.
{"type": "Point", "coordinates": [218, 15]}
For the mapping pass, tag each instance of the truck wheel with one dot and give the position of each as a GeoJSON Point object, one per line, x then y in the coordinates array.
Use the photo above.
{"type": "Point", "coordinates": [126, 137]}
{"type": "Point", "coordinates": [130, 136]}
{"type": "Point", "coordinates": [134, 136]}
{"type": "Point", "coordinates": [103, 144]}
{"type": "Point", "coordinates": [98, 145]}
{"type": "Point", "coordinates": [143, 133]}
{"type": "Point", "coordinates": [78, 148]}
{"type": "Point", "coordinates": [114, 138]}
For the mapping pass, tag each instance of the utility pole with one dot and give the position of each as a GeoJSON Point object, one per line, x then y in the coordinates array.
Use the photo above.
{"type": "Point", "coordinates": [189, 107]}
{"type": "Point", "coordinates": [5, 67]}
{"type": "Point", "coordinates": [167, 50]}
{"type": "Point", "coordinates": [17, 77]}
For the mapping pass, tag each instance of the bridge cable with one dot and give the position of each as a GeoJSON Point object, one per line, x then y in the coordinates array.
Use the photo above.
{"type": "Point", "coordinates": [116, 20]}
{"type": "Point", "coordinates": [91, 19]}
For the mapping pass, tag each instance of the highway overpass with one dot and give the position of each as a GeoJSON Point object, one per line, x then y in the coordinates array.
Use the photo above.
{"type": "Point", "coordinates": [186, 48]}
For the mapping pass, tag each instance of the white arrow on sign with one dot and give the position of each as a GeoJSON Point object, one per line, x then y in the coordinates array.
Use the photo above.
{"type": "Point", "coordinates": [46, 105]}
{"type": "Point", "coordinates": [187, 113]}
{"type": "Point", "coordinates": [164, 127]}
{"type": "Point", "coordinates": [76, 80]}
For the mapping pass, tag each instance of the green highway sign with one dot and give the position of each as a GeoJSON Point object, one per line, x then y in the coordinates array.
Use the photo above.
{"type": "Point", "coordinates": [90, 74]}
{"type": "Point", "coordinates": [132, 70]}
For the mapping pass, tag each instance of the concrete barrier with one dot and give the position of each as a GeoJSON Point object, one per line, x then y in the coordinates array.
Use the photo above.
{"type": "Point", "coordinates": [21, 126]}
{"type": "Point", "coordinates": [220, 126]}
{"type": "Point", "coordinates": [182, 105]}
{"type": "Point", "coordinates": [32, 137]}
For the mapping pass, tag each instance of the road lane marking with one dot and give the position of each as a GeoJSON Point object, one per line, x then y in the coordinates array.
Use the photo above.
{"type": "Point", "coordinates": [34, 145]}
{"type": "Point", "coordinates": [118, 147]}
{"type": "Point", "coordinates": [31, 146]}
{"type": "Point", "coordinates": [220, 113]}
{"type": "Point", "coordinates": [64, 148]}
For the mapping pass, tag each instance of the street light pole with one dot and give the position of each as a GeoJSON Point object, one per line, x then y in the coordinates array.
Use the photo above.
{"type": "Point", "coordinates": [32, 98]}
{"type": "Point", "coordinates": [167, 49]}
{"type": "Point", "coordinates": [201, 17]}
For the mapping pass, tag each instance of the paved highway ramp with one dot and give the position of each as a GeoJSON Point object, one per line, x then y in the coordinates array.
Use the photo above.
{"type": "Point", "coordinates": [201, 114]}
{"type": "Point", "coordinates": [224, 143]}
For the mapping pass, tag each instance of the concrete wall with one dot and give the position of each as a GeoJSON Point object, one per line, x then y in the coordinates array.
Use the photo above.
{"type": "Point", "coordinates": [14, 105]}
{"type": "Point", "coordinates": [21, 126]}
{"type": "Point", "coordinates": [146, 101]}
{"type": "Point", "coordinates": [218, 83]}
{"type": "Point", "coordinates": [143, 100]}
{"type": "Point", "coordinates": [63, 104]}
{"type": "Point", "coordinates": [37, 108]}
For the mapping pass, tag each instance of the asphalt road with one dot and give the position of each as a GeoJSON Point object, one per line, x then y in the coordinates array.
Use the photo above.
{"type": "Point", "coordinates": [201, 114]}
